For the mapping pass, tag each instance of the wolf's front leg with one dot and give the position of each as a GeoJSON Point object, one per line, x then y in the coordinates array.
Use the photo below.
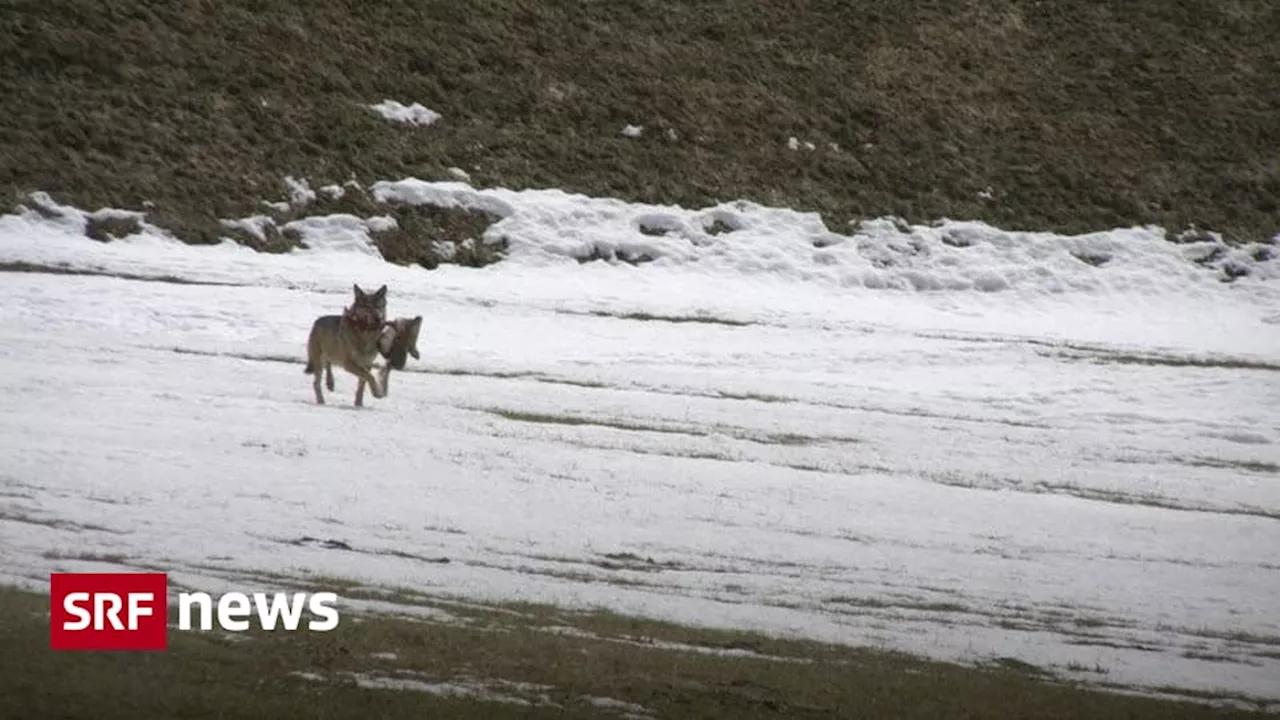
{"type": "Point", "coordinates": [365, 377]}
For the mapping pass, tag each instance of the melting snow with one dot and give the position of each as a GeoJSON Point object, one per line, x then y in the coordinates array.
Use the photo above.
{"type": "Point", "coordinates": [489, 690]}
{"type": "Point", "coordinates": [414, 114]}
{"type": "Point", "coordinates": [948, 439]}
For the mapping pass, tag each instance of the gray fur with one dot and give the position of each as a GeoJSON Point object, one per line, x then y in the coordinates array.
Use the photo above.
{"type": "Point", "coordinates": [349, 340]}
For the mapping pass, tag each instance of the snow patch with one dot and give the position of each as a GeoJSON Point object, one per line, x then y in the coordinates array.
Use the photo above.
{"type": "Point", "coordinates": [632, 131]}
{"type": "Point", "coordinates": [444, 195]}
{"type": "Point", "coordinates": [743, 242]}
{"type": "Point", "coordinates": [415, 114]}
{"type": "Point", "coordinates": [117, 214]}
{"type": "Point", "coordinates": [300, 192]}
{"type": "Point", "coordinates": [340, 233]}
{"type": "Point", "coordinates": [255, 225]}
{"type": "Point", "coordinates": [608, 703]}
{"type": "Point", "coordinates": [550, 226]}
{"type": "Point", "coordinates": [444, 250]}
{"type": "Point", "coordinates": [484, 689]}
{"type": "Point", "coordinates": [381, 223]}
{"type": "Point", "coordinates": [74, 219]}
{"type": "Point", "coordinates": [647, 642]}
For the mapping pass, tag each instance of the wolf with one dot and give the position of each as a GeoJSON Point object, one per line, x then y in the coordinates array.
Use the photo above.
{"type": "Point", "coordinates": [351, 341]}
{"type": "Point", "coordinates": [399, 338]}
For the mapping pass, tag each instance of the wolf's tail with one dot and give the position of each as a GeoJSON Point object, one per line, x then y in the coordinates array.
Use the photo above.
{"type": "Point", "coordinates": [314, 348]}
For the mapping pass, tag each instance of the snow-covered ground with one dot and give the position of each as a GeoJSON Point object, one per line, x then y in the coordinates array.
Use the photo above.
{"type": "Point", "coordinates": [951, 440]}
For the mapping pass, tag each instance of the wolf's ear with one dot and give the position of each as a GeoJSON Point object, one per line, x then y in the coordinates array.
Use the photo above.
{"type": "Point", "coordinates": [381, 292]}
{"type": "Point", "coordinates": [359, 292]}
{"type": "Point", "coordinates": [417, 322]}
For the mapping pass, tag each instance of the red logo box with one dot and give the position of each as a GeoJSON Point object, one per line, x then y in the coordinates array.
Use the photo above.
{"type": "Point", "coordinates": [108, 611]}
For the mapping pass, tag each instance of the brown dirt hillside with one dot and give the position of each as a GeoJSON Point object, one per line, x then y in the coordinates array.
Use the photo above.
{"type": "Point", "coordinates": [1069, 116]}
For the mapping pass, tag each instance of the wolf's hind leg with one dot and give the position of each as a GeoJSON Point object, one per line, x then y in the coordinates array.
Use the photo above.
{"type": "Point", "coordinates": [328, 376]}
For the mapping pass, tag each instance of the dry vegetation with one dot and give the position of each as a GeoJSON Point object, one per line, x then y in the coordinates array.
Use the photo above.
{"type": "Point", "coordinates": [514, 653]}
{"type": "Point", "coordinates": [1070, 116]}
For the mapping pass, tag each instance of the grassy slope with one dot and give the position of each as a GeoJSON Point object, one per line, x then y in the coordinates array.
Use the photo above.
{"type": "Point", "coordinates": [1078, 115]}
{"type": "Point", "coordinates": [204, 675]}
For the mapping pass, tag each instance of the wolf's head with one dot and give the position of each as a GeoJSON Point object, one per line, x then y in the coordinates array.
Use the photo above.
{"type": "Point", "coordinates": [399, 338]}
{"type": "Point", "coordinates": [371, 305]}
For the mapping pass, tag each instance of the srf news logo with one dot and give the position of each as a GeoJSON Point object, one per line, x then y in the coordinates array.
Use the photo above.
{"type": "Point", "coordinates": [130, 611]}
